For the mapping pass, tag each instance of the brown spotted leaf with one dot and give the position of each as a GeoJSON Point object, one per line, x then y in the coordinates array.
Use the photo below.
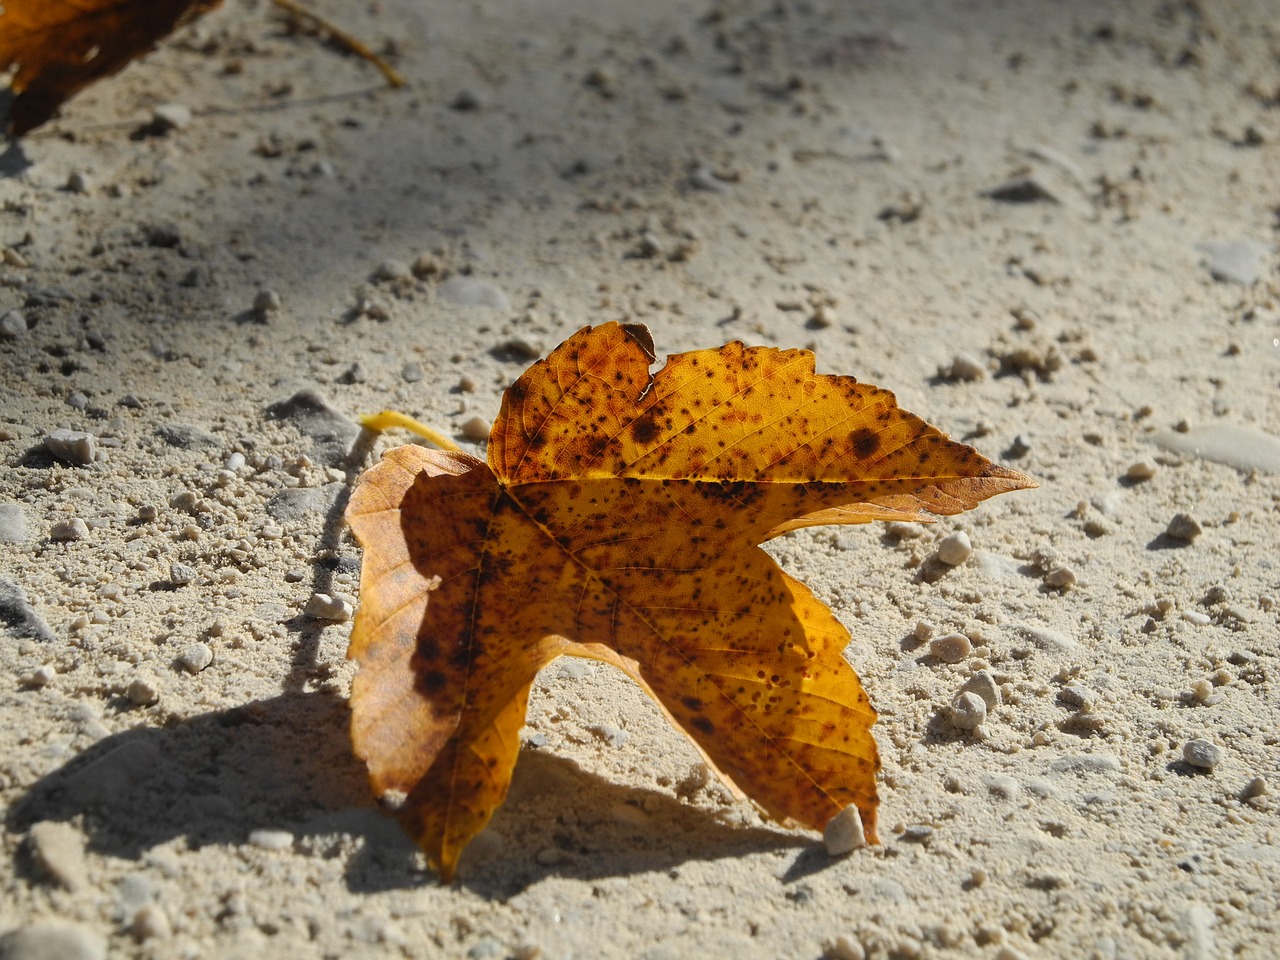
{"type": "Point", "coordinates": [59, 47]}
{"type": "Point", "coordinates": [619, 517]}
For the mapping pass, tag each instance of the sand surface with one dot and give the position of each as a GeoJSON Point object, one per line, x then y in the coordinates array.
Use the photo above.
{"type": "Point", "coordinates": [1050, 228]}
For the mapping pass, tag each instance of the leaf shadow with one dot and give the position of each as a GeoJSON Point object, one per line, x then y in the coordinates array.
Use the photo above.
{"type": "Point", "coordinates": [561, 820]}
{"type": "Point", "coordinates": [283, 764]}
{"type": "Point", "coordinates": [214, 778]}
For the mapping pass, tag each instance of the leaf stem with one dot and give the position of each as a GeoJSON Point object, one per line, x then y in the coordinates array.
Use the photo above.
{"type": "Point", "coordinates": [378, 422]}
{"type": "Point", "coordinates": [345, 39]}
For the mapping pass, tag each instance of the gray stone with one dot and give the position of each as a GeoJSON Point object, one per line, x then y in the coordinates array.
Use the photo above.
{"type": "Point", "coordinates": [310, 411]}
{"type": "Point", "coordinates": [185, 436]}
{"type": "Point", "coordinates": [1202, 754]}
{"type": "Point", "coordinates": [844, 833]}
{"type": "Point", "coordinates": [474, 292]}
{"type": "Point", "coordinates": [12, 325]}
{"type": "Point", "coordinates": [968, 711]}
{"type": "Point", "coordinates": [17, 614]}
{"type": "Point", "coordinates": [1235, 261]}
{"type": "Point", "coordinates": [983, 684]}
{"type": "Point", "coordinates": [298, 503]}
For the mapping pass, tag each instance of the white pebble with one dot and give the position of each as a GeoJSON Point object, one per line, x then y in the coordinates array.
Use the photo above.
{"type": "Point", "coordinates": [924, 629]}
{"type": "Point", "coordinates": [41, 676]}
{"type": "Point", "coordinates": [65, 530]}
{"type": "Point", "coordinates": [476, 430]}
{"type": "Point", "coordinates": [1184, 526]}
{"type": "Point", "coordinates": [966, 367]}
{"type": "Point", "coordinates": [955, 549]}
{"type": "Point", "coordinates": [324, 607]}
{"type": "Point", "coordinates": [195, 658]}
{"type": "Point", "coordinates": [171, 116]}
{"type": "Point", "coordinates": [843, 948]}
{"type": "Point", "coordinates": [984, 686]}
{"type": "Point", "coordinates": [968, 712]}
{"type": "Point", "coordinates": [844, 832]}
{"type": "Point", "coordinates": [180, 574]}
{"type": "Point", "coordinates": [1202, 754]}
{"type": "Point", "coordinates": [1141, 470]}
{"type": "Point", "coordinates": [143, 691]}
{"type": "Point", "coordinates": [950, 648]}
{"type": "Point", "coordinates": [1060, 578]}
{"type": "Point", "coordinates": [271, 839]}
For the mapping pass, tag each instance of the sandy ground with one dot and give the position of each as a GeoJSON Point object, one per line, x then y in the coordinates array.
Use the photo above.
{"type": "Point", "coordinates": [1050, 228]}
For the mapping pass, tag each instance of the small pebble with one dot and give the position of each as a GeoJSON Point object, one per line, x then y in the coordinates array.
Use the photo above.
{"type": "Point", "coordinates": [79, 182]}
{"type": "Point", "coordinates": [195, 657]}
{"type": "Point", "coordinates": [965, 367]}
{"type": "Point", "coordinates": [392, 270]}
{"type": "Point", "coordinates": [984, 686]}
{"type": "Point", "coordinates": [412, 372]}
{"type": "Point", "coordinates": [1184, 527]}
{"type": "Point", "coordinates": [955, 549]}
{"type": "Point", "coordinates": [41, 676]}
{"type": "Point", "coordinates": [151, 923]}
{"type": "Point", "coordinates": [843, 948]}
{"type": "Point", "coordinates": [1020, 447]}
{"type": "Point", "coordinates": [476, 430]}
{"type": "Point", "coordinates": [58, 850]}
{"type": "Point", "coordinates": [67, 530]}
{"type": "Point", "coordinates": [53, 940]}
{"type": "Point", "coordinates": [844, 832]}
{"type": "Point", "coordinates": [474, 292]}
{"type": "Point", "coordinates": [1060, 578]}
{"type": "Point", "coordinates": [180, 574]}
{"type": "Point", "coordinates": [324, 607]}
{"type": "Point", "coordinates": [171, 116]}
{"type": "Point", "coordinates": [143, 691]}
{"type": "Point", "coordinates": [1202, 754]}
{"type": "Point", "coordinates": [271, 839]}
{"type": "Point", "coordinates": [923, 630]}
{"type": "Point", "coordinates": [1256, 787]}
{"type": "Point", "coordinates": [12, 325]}
{"type": "Point", "coordinates": [968, 712]}
{"type": "Point", "coordinates": [425, 265]}
{"type": "Point", "coordinates": [950, 648]}
{"type": "Point", "coordinates": [1141, 470]}
{"type": "Point", "coordinates": [72, 446]}
{"type": "Point", "coordinates": [467, 385]}
{"type": "Point", "coordinates": [266, 302]}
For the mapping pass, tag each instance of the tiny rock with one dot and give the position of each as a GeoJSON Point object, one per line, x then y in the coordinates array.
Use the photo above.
{"type": "Point", "coordinates": [1202, 754]}
{"type": "Point", "coordinates": [955, 549]}
{"type": "Point", "coordinates": [965, 367]}
{"type": "Point", "coordinates": [392, 270]}
{"type": "Point", "coordinates": [73, 447]}
{"type": "Point", "coordinates": [12, 325]}
{"type": "Point", "coordinates": [64, 531]}
{"type": "Point", "coordinates": [324, 607]}
{"type": "Point", "coordinates": [195, 657]}
{"type": "Point", "coordinates": [151, 923]}
{"type": "Point", "coordinates": [143, 691]}
{"type": "Point", "coordinates": [476, 430]}
{"type": "Point", "coordinates": [844, 832]}
{"type": "Point", "coordinates": [951, 647]}
{"type": "Point", "coordinates": [1060, 578]}
{"type": "Point", "coordinates": [171, 116]}
{"type": "Point", "coordinates": [1141, 470]}
{"type": "Point", "coordinates": [265, 302]}
{"type": "Point", "coordinates": [1183, 527]}
{"type": "Point", "coordinates": [53, 940]}
{"type": "Point", "coordinates": [968, 712]}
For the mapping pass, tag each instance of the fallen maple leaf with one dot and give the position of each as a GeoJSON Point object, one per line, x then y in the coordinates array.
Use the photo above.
{"type": "Point", "coordinates": [62, 46]}
{"type": "Point", "coordinates": [619, 518]}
